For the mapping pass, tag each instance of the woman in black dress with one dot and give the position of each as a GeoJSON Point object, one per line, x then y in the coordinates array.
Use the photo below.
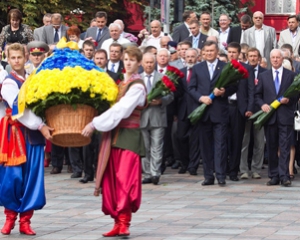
{"type": "Point", "coordinates": [15, 31]}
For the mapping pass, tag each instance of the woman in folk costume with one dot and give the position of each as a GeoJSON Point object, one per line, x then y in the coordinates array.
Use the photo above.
{"type": "Point", "coordinates": [21, 151]}
{"type": "Point", "coordinates": [119, 165]}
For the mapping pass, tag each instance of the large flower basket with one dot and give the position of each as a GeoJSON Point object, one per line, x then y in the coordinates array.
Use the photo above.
{"type": "Point", "coordinates": [68, 122]}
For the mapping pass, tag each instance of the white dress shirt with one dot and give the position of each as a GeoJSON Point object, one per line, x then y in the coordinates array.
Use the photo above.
{"type": "Point", "coordinates": [259, 40]}
{"type": "Point", "coordinates": [116, 66]}
{"type": "Point", "coordinates": [106, 44]}
{"type": "Point", "coordinates": [153, 41]}
{"type": "Point", "coordinates": [223, 39]}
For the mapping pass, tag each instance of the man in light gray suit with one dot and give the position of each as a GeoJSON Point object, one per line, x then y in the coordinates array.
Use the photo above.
{"type": "Point", "coordinates": [38, 32]}
{"type": "Point", "coordinates": [100, 33]}
{"type": "Point", "coordinates": [291, 35]}
{"type": "Point", "coordinates": [55, 31]}
{"type": "Point", "coordinates": [153, 123]}
{"type": "Point", "coordinates": [180, 62]}
{"type": "Point", "coordinates": [261, 36]}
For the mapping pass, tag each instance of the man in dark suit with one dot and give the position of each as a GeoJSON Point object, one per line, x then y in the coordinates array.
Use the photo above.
{"type": "Point", "coordinates": [236, 33]}
{"type": "Point", "coordinates": [213, 124]}
{"type": "Point", "coordinates": [197, 39]}
{"type": "Point", "coordinates": [100, 59]}
{"type": "Point", "coordinates": [279, 128]}
{"type": "Point", "coordinates": [241, 106]}
{"type": "Point", "coordinates": [253, 58]}
{"type": "Point", "coordinates": [100, 33]}
{"type": "Point", "coordinates": [182, 31]}
{"type": "Point", "coordinates": [187, 134]}
{"type": "Point", "coordinates": [55, 31]}
{"type": "Point", "coordinates": [115, 64]}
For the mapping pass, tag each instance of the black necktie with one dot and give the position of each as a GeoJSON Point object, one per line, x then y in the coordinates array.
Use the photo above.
{"type": "Point", "coordinates": [56, 38]}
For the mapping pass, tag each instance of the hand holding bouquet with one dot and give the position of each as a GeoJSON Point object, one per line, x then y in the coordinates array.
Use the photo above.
{"type": "Point", "coordinates": [231, 73]}
{"type": "Point", "coordinates": [166, 84]}
{"type": "Point", "coordinates": [262, 117]}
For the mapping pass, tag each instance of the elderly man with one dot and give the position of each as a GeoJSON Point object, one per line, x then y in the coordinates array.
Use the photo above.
{"type": "Point", "coordinates": [164, 41]}
{"type": "Point", "coordinates": [261, 36]}
{"type": "Point", "coordinates": [126, 35]}
{"type": "Point", "coordinates": [115, 31]}
{"type": "Point", "coordinates": [55, 31]}
{"type": "Point", "coordinates": [37, 50]}
{"type": "Point", "coordinates": [38, 32]}
{"type": "Point", "coordinates": [156, 35]}
{"type": "Point", "coordinates": [182, 31]}
{"type": "Point", "coordinates": [279, 128]}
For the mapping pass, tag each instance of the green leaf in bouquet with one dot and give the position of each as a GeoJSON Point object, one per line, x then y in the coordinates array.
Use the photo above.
{"type": "Point", "coordinates": [196, 115]}
{"type": "Point", "coordinates": [256, 115]}
{"type": "Point", "coordinates": [263, 118]}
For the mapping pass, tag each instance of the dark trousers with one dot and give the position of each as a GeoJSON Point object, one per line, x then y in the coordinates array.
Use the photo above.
{"type": "Point", "coordinates": [213, 149]}
{"type": "Point", "coordinates": [278, 137]}
{"type": "Point", "coordinates": [235, 139]}
{"type": "Point", "coordinates": [188, 138]}
{"type": "Point", "coordinates": [58, 154]}
{"type": "Point", "coordinates": [90, 156]}
{"type": "Point", "coordinates": [76, 159]}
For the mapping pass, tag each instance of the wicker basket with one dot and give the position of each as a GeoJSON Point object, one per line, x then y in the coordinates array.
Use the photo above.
{"type": "Point", "coordinates": [68, 123]}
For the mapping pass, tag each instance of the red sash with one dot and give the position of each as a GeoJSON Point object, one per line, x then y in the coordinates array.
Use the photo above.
{"type": "Point", "coordinates": [12, 152]}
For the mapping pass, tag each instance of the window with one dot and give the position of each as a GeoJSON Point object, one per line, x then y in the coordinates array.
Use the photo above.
{"type": "Point", "coordinates": [280, 6]}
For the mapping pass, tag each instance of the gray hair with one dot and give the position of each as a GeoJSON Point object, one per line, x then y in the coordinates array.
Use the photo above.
{"type": "Point", "coordinates": [193, 49]}
{"type": "Point", "coordinates": [277, 50]}
{"type": "Point", "coordinates": [115, 25]}
{"type": "Point", "coordinates": [165, 50]}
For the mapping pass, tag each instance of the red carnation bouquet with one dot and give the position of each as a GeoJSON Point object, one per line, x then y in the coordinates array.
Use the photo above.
{"type": "Point", "coordinates": [166, 84]}
{"type": "Point", "coordinates": [230, 75]}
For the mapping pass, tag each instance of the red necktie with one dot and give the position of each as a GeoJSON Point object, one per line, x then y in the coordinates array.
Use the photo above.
{"type": "Point", "coordinates": [161, 70]}
{"type": "Point", "coordinates": [189, 76]}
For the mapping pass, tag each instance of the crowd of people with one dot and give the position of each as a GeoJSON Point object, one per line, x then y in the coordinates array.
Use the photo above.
{"type": "Point", "coordinates": [220, 142]}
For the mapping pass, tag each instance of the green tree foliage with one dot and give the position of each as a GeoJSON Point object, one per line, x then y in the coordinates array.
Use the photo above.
{"type": "Point", "coordinates": [33, 10]}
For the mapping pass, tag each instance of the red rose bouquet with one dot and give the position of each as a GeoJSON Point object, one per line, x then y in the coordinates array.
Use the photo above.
{"type": "Point", "coordinates": [166, 84]}
{"type": "Point", "coordinates": [231, 73]}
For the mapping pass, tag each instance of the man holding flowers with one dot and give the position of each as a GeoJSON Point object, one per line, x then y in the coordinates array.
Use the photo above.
{"type": "Point", "coordinates": [213, 124]}
{"type": "Point", "coordinates": [279, 128]}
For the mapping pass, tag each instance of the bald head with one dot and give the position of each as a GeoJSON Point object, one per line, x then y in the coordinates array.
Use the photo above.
{"type": "Point", "coordinates": [164, 41]}
{"type": "Point", "coordinates": [155, 26]}
{"type": "Point", "coordinates": [258, 19]}
{"type": "Point", "coordinates": [212, 38]}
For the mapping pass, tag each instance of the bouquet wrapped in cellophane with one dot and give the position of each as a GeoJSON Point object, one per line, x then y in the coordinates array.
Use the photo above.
{"type": "Point", "coordinates": [166, 84]}
{"type": "Point", "coordinates": [262, 117]}
{"type": "Point", "coordinates": [231, 73]}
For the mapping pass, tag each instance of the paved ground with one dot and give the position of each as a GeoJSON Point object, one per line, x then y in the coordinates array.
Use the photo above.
{"type": "Point", "coordinates": [177, 209]}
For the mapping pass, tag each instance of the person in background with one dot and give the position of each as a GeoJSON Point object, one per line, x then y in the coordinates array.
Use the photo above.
{"type": "Point", "coordinates": [15, 31]}
{"type": "Point", "coordinates": [74, 35]}
{"type": "Point", "coordinates": [38, 32]}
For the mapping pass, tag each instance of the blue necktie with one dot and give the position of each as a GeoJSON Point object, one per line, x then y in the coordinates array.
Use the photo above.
{"type": "Point", "coordinates": [195, 43]}
{"type": "Point", "coordinates": [211, 70]}
{"type": "Point", "coordinates": [148, 83]}
{"type": "Point", "coordinates": [277, 83]}
{"type": "Point", "coordinates": [98, 35]}
{"type": "Point", "coordinates": [112, 67]}
{"type": "Point", "coordinates": [56, 38]}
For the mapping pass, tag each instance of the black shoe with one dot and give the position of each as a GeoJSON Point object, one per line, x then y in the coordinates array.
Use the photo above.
{"type": "Point", "coordinates": [234, 178]}
{"type": "Point", "coordinates": [176, 165]}
{"type": "Point", "coordinates": [169, 161]}
{"type": "Point", "coordinates": [193, 171]}
{"type": "Point", "coordinates": [86, 179]}
{"type": "Point", "coordinates": [221, 182]}
{"type": "Point", "coordinates": [70, 170]}
{"type": "Point", "coordinates": [273, 181]}
{"type": "Point", "coordinates": [147, 180]}
{"type": "Point", "coordinates": [55, 170]}
{"type": "Point", "coordinates": [208, 182]}
{"type": "Point", "coordinates": [155, 180]}
{"type": "Point", "coordinates": [182, 170]}
{"type": "Point", "coordinates": [76, 175]}
{"type": "Point", "coordinates": [286, 183]}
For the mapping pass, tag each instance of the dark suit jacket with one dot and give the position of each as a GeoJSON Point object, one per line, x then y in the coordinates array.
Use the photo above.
{"type": "Point", "coordinates": [260, 71]}
{"type": "Point", "coordinates": [201, 85]}
{"type": "Point", "coordinates": [121, 67]}
{"type": "Point", "coordinates": [113, 75]}
{"type": "Point", "coordinates": [4, 64]}
{"type": "Point", "coordinates": [201, 41]}
{"type": "Point", "coordinates": [180, 33]}
{"type": "Point", "coordinates": [93, 32]}
{"type": "Point", "coordinates": [235, 34]}
{"type": "Point", "coordinates": [245, 92]}
{"type": "Point", "coordinates": [265, 93]}
{"type": "Point", "coordinates": [183, 98]}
